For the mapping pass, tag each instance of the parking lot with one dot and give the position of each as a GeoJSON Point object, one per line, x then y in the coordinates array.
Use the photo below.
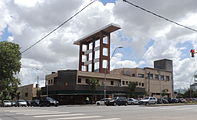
{"type": "Point", "coordinates": [93, 112]}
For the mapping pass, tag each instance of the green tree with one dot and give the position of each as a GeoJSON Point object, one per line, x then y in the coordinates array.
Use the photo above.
{"type": "Point", "coordinates": [9, 66]}
{"type": "Point", "coordinates": [164, 92]}
{"type": "Point", "coordinates": [132, 86]}
{"type": "Point", "coordinates": [190, 93]}
{"type": "Point", "coordinates": [93, 84]}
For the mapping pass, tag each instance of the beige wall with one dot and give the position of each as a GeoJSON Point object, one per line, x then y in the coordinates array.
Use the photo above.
{"type": "Point", "coordinates": [156, 85]}
{"type": "Point", "coordinates": [50, 79]}
{"type": "Point", "coordinates": [27, 92]}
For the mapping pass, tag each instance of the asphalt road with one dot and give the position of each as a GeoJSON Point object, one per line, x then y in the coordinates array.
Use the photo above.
{"type": "Point", "coordinates": [92, 112]}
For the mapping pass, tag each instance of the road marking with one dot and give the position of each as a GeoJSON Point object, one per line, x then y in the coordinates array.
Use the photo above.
{"type": "Point", "coordinates": [75, 118]}
{"type": "Point", "coordinates": [58, 115]}
{"type": "Point", "coordinates": [46, 113]}
{"type": "Point", "coordinates": [110, 119]}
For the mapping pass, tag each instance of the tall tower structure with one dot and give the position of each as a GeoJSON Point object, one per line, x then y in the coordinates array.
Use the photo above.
{"type": "Point", "coordinates": [167, 65]}
{"type": "Point", "coordinates": [94, 50]}
{"type": "Point", "coordinates": [164, 64]}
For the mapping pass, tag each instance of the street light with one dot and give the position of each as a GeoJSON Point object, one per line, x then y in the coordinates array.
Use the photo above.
{"type": "Point", "coordinates": [104, 92]}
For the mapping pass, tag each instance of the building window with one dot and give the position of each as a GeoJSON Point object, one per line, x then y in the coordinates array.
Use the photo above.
{"type": "Point", "coordinates": [139, 83]}
{"type": "Point", "coordinates": [156, 76]}
{"type": "Point", "coordinates": [127, 73]}
{"type": "Point", "coordinates": [162, 77]}
{"type": "Point", "coordinates": [123, 82]}
{"type": "Point", "coordinates": [55, 80]}
{"type": "Point", "coordinates": [49, 82]}
{"type": "Point", "coordinates": [142, 84]}
{"type": "Point", "coordinates": [112, 82]}
{"type": "Point", "coordinates": [168, 78]}
{"type": "Point", "coordinates": [26, 94]}
{"type": "Point", "coordinates": [79, 80]}
{"type": "Point", "coordinates": [126, 82]}
{"type": "Point", "coordinates": [151, 76]}
{"type": "Point", "coordinates": [133, 75]}
{"type": "Point", "coordinates": [87, 81]}
{"type": "Point", "coordinates": [141, 75]}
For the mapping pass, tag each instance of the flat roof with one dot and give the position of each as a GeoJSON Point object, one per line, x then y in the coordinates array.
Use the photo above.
{"type": "Point", "coordinates": [108, 29]}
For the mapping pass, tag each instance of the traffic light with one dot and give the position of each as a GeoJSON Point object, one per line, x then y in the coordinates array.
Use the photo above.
{"type": "Point", "coordinates": [192, 51]}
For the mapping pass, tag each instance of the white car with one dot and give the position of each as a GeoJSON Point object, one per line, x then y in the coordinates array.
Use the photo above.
{"type": "Point", "coordinates": [21, 103]}
{"type": "Point", "coordinates": [148, 100]}
{"type": "Point", "coordinates": [7, 103]}
{"type": "Point", "coordinates": [102, 101]}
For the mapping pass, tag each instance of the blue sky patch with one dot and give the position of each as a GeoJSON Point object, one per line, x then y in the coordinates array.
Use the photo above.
{"type": "Point", "coordinates": [5, 34]}
{"type": "Point", "coordinates": [149, 44]}
{"type": "Point", "coordinates": [107, 1]}
{"type": "Point", "coordinates": [186, 51]}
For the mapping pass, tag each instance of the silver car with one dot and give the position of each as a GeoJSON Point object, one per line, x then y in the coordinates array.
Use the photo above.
{"type": "Point", "coordinates": [148, 100]}
{"type": "Point", "coordinates": [132, 101]}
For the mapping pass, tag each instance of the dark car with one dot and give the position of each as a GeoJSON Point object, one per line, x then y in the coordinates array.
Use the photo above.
{"type": "Point", "coordinates": [29, 103]}
{"type": "Point", "coordinates": [35, 102]}
{"type": "Point", "coordinates": [162, 101]}
{"type": "Point", "coordinates": [173, 100]}
{"type": "Point", "coordinates": [48, 101]}
{"type": "Point", "coordinates": [117, 101]}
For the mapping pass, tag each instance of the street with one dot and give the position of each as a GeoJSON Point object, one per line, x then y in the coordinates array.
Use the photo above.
{"type": "Point", "coordinates": [92, 112]}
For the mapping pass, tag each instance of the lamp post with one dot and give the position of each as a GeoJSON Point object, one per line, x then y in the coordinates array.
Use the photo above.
{"type": "Point", "coordinates": [104, 92]}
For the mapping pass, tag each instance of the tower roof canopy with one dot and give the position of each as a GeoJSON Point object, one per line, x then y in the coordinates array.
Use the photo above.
{"type": "Point", "coordinates": [96, 35]}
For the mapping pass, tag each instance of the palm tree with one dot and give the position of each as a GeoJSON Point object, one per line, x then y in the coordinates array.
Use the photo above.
{"type": "Point", "coordinates": [93, 84]}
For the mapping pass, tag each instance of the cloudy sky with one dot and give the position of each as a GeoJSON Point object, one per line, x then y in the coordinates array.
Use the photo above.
{"type": "Point", "coordinates": [145, 38]}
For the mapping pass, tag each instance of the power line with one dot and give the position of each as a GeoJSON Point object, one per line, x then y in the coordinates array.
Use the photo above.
{"type": "Point", "coordinates": [162, 17]}
{"type": "Point", "coordinates": [58, 26]}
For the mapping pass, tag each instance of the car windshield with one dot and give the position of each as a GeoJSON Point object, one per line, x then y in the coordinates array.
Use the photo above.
{"type": "Point", "coordinates": [49, 98]}
{"type": "Point", "coordinates": [146, 98]}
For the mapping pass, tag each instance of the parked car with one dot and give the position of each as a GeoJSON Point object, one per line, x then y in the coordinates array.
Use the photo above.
{"type": "Point", "coordinates": [35, 102]}
{"type": "Point", "coordinates": [48, 101]}
{"type": "Point", "coordinates": [132, 101]}
{"type": "Point", "coordinates": [182, 100]}
{"type": "Point", "coordinates": [102, 101]}
{"type": "Point", "coordinates": [14, 103]}
{"type": "Point", "coordinates": [173, 100]}
{"type": "Point", "coordinates": [7, 103]}
{"type": "Point", "coordinates": [162, 101]}
{"type": "Point", "coordinates": [117, 101]}
{"type": "Point", "coordinates": [21, 103]}
{"type": "Point", "coordinates": [29, 103]}
{"type": "Point", "coordinates": [148, 100]}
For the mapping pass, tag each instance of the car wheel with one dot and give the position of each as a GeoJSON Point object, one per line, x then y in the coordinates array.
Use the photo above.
{"type": "Point", "coordinates": [115, 104]}
{"type": "Point", "coordinates": [126, 104]}
{"type": "Point", "coordinates": [98, 104]}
